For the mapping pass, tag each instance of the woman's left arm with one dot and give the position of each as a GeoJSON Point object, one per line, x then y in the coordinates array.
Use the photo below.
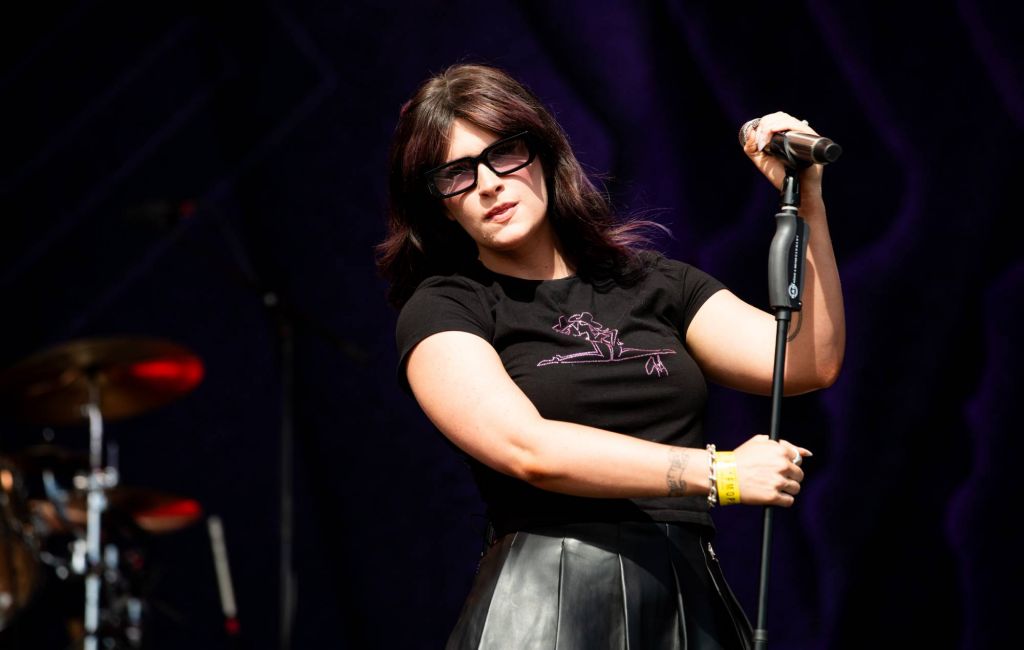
{"type": "Point", "coordinates": [734, 342]}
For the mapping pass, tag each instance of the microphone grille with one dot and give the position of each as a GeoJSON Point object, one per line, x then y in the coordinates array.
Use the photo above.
{"type": "Point", "coordinates": [825, 151]}
{"type": "Point", "coordinates": [832, 152]}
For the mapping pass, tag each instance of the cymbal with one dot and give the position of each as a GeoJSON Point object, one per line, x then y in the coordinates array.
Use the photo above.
{"type": "Point", "coordinates": [133, 375]}
{"type": "Point", "coordinates": [153, 511]}
{"type": "Point", "coordinates": [169, 516]}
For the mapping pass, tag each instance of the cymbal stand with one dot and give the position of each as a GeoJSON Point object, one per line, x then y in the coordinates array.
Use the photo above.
{"type": "Point", "coordinates": [100, 479]}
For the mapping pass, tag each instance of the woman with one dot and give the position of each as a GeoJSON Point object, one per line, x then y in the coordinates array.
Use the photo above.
{"type": "Point", "coordinates": [569, 367]}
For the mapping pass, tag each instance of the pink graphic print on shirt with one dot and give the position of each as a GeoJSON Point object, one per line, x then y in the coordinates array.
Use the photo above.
{"type": "Point", "coordinates": [605, 344]}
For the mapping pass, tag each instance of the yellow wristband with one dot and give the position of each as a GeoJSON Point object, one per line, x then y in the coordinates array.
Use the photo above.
{"type": "Point", "coordinates": [727, 479]}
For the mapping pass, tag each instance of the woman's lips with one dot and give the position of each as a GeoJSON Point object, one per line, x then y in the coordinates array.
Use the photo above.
{"type": "Point", "coordinates": [500, 213]}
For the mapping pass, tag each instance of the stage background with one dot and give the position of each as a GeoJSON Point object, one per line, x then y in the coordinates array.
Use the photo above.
{"type": "Point", "coordinates": [273, 119]}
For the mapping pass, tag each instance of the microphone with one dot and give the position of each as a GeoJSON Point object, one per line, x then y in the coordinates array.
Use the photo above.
{"type": "Point", "coordinates": [796, 148]}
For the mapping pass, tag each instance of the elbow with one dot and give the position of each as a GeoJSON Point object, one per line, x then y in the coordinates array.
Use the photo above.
{"type": "Point", "coordinates": [829, 376]}
{"type": "Point", "coordinates": [531, 465]}
{"type": "Point", "coordinates": [828, 371]}
{"type": "Point", "coordinates": [823, 374]}
{"type": "Point", "coordinates": [827, 362]}
{"type": "Point", "coordinates": [529, 468]}
{"type": "Point", "coordinates": [514, 446]}
{"type": "Point", "coordinates": [520, 460]}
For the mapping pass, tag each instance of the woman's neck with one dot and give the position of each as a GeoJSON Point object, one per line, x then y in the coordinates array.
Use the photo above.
{"type": "Point", "coordinates": [544, 262]}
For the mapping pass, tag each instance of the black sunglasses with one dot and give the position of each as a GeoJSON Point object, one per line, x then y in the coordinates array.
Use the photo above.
{"type": "Point", "coordinates": [502, 157]}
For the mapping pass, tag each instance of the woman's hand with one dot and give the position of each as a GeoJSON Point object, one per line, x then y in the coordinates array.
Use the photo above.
{"type": "Point", "coordinates": [766, 472]}
{"type": "Point", "coordinates": [773, 167]}
{"type": "Point", "coordinates": [734, 342]}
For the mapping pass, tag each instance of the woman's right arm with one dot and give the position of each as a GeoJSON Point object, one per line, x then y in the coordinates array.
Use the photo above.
{"type": "Point", "coordinates": [460, 383]}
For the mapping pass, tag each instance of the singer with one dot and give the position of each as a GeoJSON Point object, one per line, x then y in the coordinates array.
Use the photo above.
{"type": "Point", "coordinates": [568, 363]}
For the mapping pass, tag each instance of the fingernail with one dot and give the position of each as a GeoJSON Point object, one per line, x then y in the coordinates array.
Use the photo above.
{"type": "Point", "coordinates": [762, 140]}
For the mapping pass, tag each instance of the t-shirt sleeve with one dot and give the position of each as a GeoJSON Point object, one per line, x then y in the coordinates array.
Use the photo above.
{"type": "Point", "coordinates": [692, 288]}
{"type": "Point", "coordinates": [439, 304]}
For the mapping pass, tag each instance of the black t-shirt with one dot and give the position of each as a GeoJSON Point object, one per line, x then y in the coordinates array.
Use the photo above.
{"type": "Point", "coordinates": [610, 357]}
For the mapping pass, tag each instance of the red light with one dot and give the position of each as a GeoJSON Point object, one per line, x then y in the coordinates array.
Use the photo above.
{"type": "Point", "coordinates": [182, 374]}
{"type": "Point", "coordinates": [179, 508]}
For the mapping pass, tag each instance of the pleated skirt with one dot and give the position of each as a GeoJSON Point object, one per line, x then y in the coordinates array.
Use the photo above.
{"type": "Point", "coordinates": [602, 586]}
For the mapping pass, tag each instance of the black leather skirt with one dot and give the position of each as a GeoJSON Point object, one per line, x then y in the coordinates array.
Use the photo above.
{"type": "Point", "coordinates": [596, 586]}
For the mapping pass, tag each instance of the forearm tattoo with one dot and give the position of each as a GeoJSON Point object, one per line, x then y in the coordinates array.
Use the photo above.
{"type": "Point", "coordinates": [677, 460]}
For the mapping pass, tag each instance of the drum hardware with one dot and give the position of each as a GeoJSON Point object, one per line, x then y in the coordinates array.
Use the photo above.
{"type": "Point", "coordinates": [94, 381]}
{"type": "Point", "coordinates": [57, 497]}
{"type": "Point", "coordinates": [64, 464]}
{"type": "Point", "coordinates": [97, 499]}
{"type": "Point", "coordinates": [152, 511]}
{"type": "Point", "coordinates": [19, 573]}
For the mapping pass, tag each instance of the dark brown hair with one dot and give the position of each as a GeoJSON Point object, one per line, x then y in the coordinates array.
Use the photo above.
{"type": "Point", "coordinates": [422, 242]}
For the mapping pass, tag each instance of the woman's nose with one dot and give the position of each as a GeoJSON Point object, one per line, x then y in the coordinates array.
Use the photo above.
{"type": "Point", "coordinates": [487, 181]}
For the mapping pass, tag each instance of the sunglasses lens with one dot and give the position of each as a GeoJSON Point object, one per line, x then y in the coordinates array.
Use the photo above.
{"type": "Point", "coordinates": [453, 178]}
{"type": "Point", "coordinates": [509, 156]}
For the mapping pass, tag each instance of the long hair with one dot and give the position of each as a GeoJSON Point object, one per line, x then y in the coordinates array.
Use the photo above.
{"type": "Point", "coordinates": [422, 242]}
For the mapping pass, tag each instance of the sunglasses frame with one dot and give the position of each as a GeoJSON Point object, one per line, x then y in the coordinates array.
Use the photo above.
{"type": "Point", "coordinates": [475, 161]}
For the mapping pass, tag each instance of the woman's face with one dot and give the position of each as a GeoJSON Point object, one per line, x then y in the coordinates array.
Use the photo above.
{"type": "Point", "coordinates": [502, 214]}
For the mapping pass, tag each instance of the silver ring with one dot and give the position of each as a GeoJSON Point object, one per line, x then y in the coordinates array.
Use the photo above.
{"type": "Point", "coordinates": [798, 459]}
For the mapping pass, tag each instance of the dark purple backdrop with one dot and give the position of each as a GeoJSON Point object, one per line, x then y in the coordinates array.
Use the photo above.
{"type": "Point", "coordinates": [276, 117]}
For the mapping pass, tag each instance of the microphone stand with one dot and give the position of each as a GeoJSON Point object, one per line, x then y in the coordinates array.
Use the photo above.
{"type": "Point", "coordinates": [785, 290]}
{"type": "Point", "coordinates": [281, 319]}
{"type": "Point", "coordinates": [286, 447]}
{"type": "Point", "coordinates": [286, 320]}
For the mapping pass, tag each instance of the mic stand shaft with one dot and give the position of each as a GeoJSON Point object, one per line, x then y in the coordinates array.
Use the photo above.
{"type": "Point", "coordinates": [281, 318]}
{"type": "Point", "coordinates": [785, 289]}
{"type": "Point", "coordinates": [286, 319]}
{"type": "Point", "coordinates": [286, 468]}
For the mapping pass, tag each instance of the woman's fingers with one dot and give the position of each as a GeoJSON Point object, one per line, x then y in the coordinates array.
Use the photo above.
{"type": "Point", "coordinates": [771, 166]}
{"type": "Point", "coordinates": [783, 499]}
{"type": "Point", "coordinates": [790, 486]}
{"type": "Point", "coordinates": [792, 451]}
{"type": "Point", "coordinates": [769, 471]}
{"type": "Point", "coordinates": [773, 123]}
{"type": "Point", "coordinates": [785, 494]}
{"type": "Point", "coordinates": [793, 473]}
